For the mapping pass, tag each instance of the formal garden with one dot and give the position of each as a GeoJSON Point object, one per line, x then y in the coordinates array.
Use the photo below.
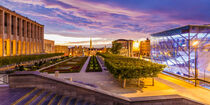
{"type": "Point", "coordinates": [73, 65]}
{"type": "Point", "coordinates": [125, 68]}
{"type": "Point", "coordinates": [39, 64]}
{"type": "Point", "coordinates": [93, 65]}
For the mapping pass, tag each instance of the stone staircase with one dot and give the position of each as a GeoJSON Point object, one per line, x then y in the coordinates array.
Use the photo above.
{"type": "Point", "coordinates": [34, 96]}
{"type": "Point", "coordinates": [40, 89]}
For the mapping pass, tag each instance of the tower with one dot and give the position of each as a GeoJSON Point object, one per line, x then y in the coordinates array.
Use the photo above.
{"type": "Point", "coordinates": [91, 46]}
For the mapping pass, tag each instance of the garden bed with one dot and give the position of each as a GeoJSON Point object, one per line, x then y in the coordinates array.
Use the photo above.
{"type": "Point", "coordinates": [93, 65]}
{"type": "Point", "coordinates": [39, 64]}
{"type": "Point", "coordinates": [73, 65]}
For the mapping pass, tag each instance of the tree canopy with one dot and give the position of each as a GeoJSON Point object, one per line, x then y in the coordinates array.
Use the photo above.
{"type": "Point", "coordinates": [128, 68]}
{"type": "Point", "coordinates": [116, 48]}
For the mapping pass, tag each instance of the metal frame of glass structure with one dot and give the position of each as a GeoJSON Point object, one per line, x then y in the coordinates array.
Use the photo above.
{"type": "Point", "coordinates": [174, 48]}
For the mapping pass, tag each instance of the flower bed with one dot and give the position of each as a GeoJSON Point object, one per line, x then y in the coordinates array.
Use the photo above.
{"type": "Point", "coordinates": [93, 65]}
{"type": "Point", "coordinates": [40, 64]}
{"type": "Point", "coordinates": [68, 66]}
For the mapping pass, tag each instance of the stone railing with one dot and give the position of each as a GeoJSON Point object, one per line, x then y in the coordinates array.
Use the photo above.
{"type": "Point", "coordinates": [94, 95]}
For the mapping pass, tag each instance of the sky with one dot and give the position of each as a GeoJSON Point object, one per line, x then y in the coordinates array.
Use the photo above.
{"type": "Point", "coordinates": [73, 22]}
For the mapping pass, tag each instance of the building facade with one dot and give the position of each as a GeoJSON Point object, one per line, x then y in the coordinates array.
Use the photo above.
{"type": "Point", "coordinates": [76, 51]}
{"type": "Point", "coordinates": [49, 46]}
{"type": "Point", "coordinates": [84, 51]}
{"type": "Point", "coordinates": [145, 48]}
{"type": "Point", "coordinates": [62, 49]}
{"type": "Point", "coordinates": [127, 47]}
{"type": "Point", "coordinates": [19, 35]}
{"type": "Point", "coordinates": [177, 49]}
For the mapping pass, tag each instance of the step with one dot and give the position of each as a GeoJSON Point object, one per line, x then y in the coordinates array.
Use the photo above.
{"type": "Point", "coordinates": [10, 95]}
{"type": "Point", "coordinates": [27, 97]}
{"type": "Point", "coordinates": [38, 99]}
{"type": "Point", "coordinates": [48, 99]}
{"type": "Point", "coordinates": [56, 100]}
{"type": "Point", "coordinates": [34, 97]}
{"type": "Point", "coordinates": [64, 101]}
{"type": "Point", "coordinates": [72, 102]}
{"type": "Point", "coordinates": [81, 102]}
{"type": "Point", "coordinates": [87, 103]}
{"type": "Point", "coordinates": [60, 101]}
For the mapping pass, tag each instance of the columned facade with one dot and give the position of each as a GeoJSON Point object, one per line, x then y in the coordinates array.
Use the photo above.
{"type": "Point", "coordinates": [19, 35]}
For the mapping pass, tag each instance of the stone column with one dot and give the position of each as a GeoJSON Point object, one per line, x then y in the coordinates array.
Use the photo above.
{"type": "Point", "coordinates": [36, 40]}
{"type": "Point", "coordinates": [9, 35]}
{"type": "Point", "coordinates": [1, 33]}
{"type": "Point", "coordinates": [15, 36]}
{"type": "Point", "coordinates": [38, 47]}
{"type": "Point", "coordinates": [29, 38]}
{"type": "Point", "coordinates": [25, 37]}
{"type": "Point", "coordinates": [42, 38]}
{"type": "Point", "coordinates": [20, 37]}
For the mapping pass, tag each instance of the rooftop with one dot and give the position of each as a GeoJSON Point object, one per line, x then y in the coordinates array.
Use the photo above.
{"type": "Point", "coordinates": [8, 10]}
{"type": "Point", "coordinates": [183, 29]}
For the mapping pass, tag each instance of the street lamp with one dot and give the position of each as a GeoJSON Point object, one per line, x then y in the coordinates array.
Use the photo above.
{"type": "Point", "coordinates": [195, 45]}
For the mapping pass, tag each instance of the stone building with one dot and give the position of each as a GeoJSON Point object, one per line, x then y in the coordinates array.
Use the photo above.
{"type": "Point", "coordinates": [49, 46]}
{"type": "Point", "coordinates": [145, 48]}
{"type": "Point", "coordinates": [127, 47]}
{"type": "Point", "coordinates": [19, 35]}
{"type": "Point", "coordinates": [76, 51]}
{"type": "Point", "coordinates": [62, 49]}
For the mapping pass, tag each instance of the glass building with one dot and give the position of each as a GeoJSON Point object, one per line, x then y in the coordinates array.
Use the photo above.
{"type": "Point", "coordinates": [177, 49]}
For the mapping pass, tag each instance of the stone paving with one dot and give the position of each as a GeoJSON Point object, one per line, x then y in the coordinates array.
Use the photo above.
{"type": "Point", "coordinates": [164, 85]}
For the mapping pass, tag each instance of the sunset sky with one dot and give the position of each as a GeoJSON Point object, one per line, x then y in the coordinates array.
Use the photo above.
{"type": "Point", "coordinates": [73, 22]}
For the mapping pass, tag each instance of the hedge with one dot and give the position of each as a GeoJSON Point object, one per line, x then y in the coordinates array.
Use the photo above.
{"type": "Point", "coordinates": [8, 60]}
{"type": "Point", "coordinates": [128, 68]}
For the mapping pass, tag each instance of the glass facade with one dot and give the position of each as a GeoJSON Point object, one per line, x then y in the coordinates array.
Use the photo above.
{"type": "Point", "coordinates": [176, 49]}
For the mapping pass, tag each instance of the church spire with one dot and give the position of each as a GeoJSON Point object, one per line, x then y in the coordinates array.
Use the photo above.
{"type": "Point", "coordinates": [91, 46]}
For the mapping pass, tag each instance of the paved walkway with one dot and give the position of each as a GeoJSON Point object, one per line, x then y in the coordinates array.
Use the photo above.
{"type": "Point", "coordinates": [83, 70]}
{"type": "Point", "coordinates": [164, 85]}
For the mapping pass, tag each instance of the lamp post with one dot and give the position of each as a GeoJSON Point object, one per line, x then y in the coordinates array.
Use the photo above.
{"type": "Point", "coordinates": [195, 45]}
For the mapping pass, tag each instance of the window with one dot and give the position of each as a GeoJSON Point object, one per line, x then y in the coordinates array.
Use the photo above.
{"type": "Point", "coordinates": [5, 23]}
{"type": "Point", "coordinates": [18, 26]}
{"type": "Point", "coordinates": [28, 32]}
{"type": "Point", "coordinates": [12, 25]}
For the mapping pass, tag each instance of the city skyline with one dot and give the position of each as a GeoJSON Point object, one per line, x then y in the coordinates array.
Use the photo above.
{"type": "Point", "coordinates": [74, 22]}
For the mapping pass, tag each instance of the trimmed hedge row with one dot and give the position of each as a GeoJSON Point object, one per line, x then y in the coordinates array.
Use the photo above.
{"type": "Point", "coordinates": [93, 65]}
{"type": "Point", "coordinates": [128, 68]}
{"type": "Point", "coordinates": [8, 60]}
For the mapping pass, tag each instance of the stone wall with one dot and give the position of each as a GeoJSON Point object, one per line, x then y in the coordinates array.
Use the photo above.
{"type": "Point", "coordinates": [94, 95]}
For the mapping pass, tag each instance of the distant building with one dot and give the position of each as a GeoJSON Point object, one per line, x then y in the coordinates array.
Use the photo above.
{"type": "Point", "coordinates": [76, 51]}
{"type": "Point", "coordinates": [84, 51]}
{"type": "Point", "coordinates": [127, 47]}
{"type": "Point", "coordinates": [19, 35]}
{"type": "Point", "coordinates": [145, 48]}
{"type": "Point", "coordinates": [49, 46]}
{"type": "Point", "coordinates": [62, 49]}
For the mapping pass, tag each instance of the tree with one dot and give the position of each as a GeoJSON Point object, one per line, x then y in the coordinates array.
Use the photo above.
{"type": "Point", "coordinates": [131, 68]}
{"type": "Point", "coordinates": [116, 48]}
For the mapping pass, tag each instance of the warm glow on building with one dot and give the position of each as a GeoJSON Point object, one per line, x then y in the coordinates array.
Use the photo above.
{"type": "Point", "coordinates": [19, 35]}
{"type": "Point", "coordinates": [136, 45]}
